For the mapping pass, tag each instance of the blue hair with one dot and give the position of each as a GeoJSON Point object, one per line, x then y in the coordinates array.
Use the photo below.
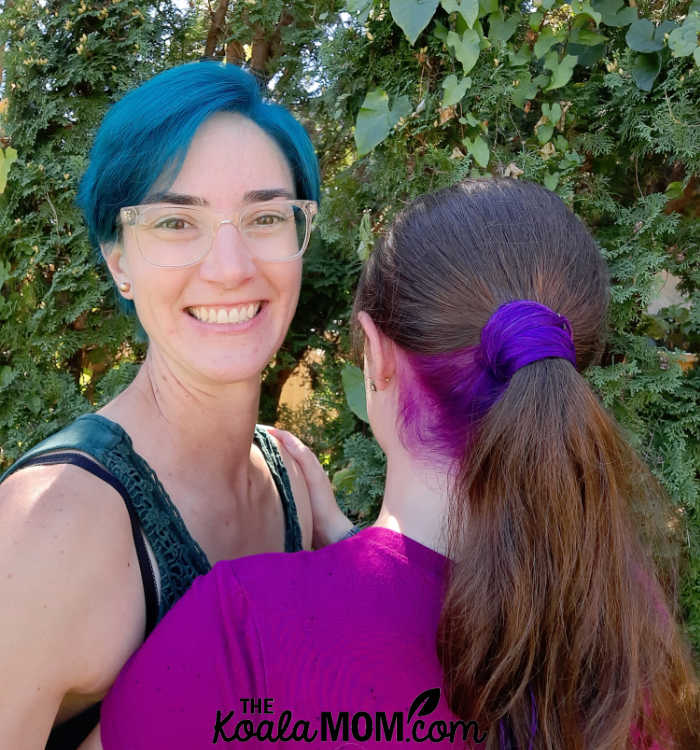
{"type": "Point", "coordinates": [147, 133]}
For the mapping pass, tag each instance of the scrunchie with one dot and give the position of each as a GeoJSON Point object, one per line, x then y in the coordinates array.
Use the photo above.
{"type": "Point", "coordinates": [520, 333]}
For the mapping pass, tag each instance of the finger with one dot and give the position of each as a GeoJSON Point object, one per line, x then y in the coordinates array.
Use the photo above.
{"type": "Point", "coordinates": [304, 456]}
{"type": "Point", "coordinates": [298, 450]}
{"type": "Point", "coordinates": [291, 442]}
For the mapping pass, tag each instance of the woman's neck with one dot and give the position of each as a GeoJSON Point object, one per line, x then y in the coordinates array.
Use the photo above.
{"type": "Point", "coordinates": [203, 431]}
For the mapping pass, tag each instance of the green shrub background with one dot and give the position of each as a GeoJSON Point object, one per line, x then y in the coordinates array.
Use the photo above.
{"type": "Point", "coordinates": [598, 101]}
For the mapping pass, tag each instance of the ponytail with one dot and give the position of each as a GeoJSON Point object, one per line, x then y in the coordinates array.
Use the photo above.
{"type": "Point", "coordinates": [554, 626]}
{"type": "Point", "coordinates": [555, 633]}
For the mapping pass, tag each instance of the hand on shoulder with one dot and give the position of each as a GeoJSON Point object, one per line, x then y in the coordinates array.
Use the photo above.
{"type": "Point", "coordinates": [329, 523]}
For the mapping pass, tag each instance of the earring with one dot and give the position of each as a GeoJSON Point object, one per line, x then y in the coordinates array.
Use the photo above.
{"type": "Point", "coordinates": [124, 286]}
{"type": "Point", "coordinates": [372, 386]}
{"type": "Point", "coordinates": [387, 380]}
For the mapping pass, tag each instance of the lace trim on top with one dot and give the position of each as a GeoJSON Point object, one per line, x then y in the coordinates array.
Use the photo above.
{"type": "Point", "coordinates": [180, 559]}
{"type": "Point", "coordinates": [178, 556]}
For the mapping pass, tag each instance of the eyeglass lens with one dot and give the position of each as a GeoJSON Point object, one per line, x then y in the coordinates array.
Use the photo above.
{"type": "Point", "coordinates": [180, 235]}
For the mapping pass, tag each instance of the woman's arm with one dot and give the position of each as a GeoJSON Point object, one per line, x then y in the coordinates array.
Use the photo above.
{"type": "Point", "coordinates": [72, 610]}
{"type": "Point", "coordinates": [329, 523]}
{"type": "Point", "coordinates": [183, 688]}
{"type": "Point", "coordinates": [92, 741]}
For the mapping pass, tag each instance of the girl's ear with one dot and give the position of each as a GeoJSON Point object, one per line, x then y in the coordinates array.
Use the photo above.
{"type": "Point", "coordinates": [380, 353]}
{"type": "Point", "coordinates": [117, 264]}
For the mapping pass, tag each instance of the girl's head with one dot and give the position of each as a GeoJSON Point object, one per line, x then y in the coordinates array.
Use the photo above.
{"type": "Point", "coordinates": [446, 265]}
{"type": "Point", "coordinates": [553, 633]}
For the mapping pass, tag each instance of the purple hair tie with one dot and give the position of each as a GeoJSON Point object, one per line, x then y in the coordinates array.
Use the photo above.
{"type": "Point", "coordinates": [520, 333]}
{"type": "Point", "coordinates": [454, 390]}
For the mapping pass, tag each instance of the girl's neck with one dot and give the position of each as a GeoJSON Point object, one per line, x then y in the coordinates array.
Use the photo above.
{"type": "Point", "coordinates": [416, 501]}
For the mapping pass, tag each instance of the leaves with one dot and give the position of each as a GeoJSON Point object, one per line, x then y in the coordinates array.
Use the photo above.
{"type": "Point", "coordinates": [468, 9]}
{"type": "Point", "coordinates": [360, 8]}
{"type": "Point", "coordinates": [479, 149]}
{"type": "Point", "coordinates": [552, 112]}
{"type": "Point", "coordinates": [466, 47]}
{"type": "Point", "coordinates": [544, 132]}
{"type": "Point", "coordinates": [454, 89]}
{"type": "Point", "coordinates": [587, 38]}
{"type": "Point", "coordinates": [614, 12]}
{"type": "Point", "coordinates": [366, 238]}
{"type": "Point", "coordinates": [7, 157]}
{"type": "Point", "coordinates": [551, 180]}
{"type": "Point", "coordinates": [683, 41]}
{"type": "Point", "coordinates": [354, 387]}
{"type": "Point", "coordinates": [644, 69]}
{"type": "Point", "coordinates": [412, 16]}
{"type": "Point", "coordinates": [523, 90]}
{"type": "Point", "coordinates": [562, 70]}
{"type": "Point", "coordinates": [584, 10]}
{"type": "Point", "coordinates": [521, 57]}
{"type": "Point", "coordinates": [375, 120]}
{"type": "Point", "coordinates": [500, 29]}
{"type": "Point", "coordinates": [545, 41]}
{"type": "Point", "coordinates": [643, 36]}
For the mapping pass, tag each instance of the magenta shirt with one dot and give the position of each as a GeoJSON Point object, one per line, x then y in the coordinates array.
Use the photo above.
{"type": "Point", "coordinates": [333, 648]}
{"type": "Point", "coordinates": [336, 645]}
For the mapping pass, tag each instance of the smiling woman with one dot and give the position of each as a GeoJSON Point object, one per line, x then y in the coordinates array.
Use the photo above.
{"type": "Point", "coordinates": [200, 196]}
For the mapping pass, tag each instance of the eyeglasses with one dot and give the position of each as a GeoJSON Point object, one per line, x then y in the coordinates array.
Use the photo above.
{"type": "Point", "coordinates": [176, 236]}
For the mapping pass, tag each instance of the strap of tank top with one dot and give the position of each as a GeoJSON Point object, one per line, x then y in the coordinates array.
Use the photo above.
{"type": "Point", "coordinates": [147, 575]}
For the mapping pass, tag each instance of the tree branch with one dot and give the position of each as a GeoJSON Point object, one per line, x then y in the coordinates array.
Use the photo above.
{"type": "Point", "coordinates": [216, 28]}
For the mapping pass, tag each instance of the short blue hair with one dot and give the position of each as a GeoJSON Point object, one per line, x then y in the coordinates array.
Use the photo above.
{"type": "Point", "coordinates": [147, 133]}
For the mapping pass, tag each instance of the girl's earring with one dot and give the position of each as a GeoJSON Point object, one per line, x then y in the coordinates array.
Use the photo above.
{"type": "Point", "coordinates": [372, 386]}
{"type": "Point", "coordinates": [124, 286]}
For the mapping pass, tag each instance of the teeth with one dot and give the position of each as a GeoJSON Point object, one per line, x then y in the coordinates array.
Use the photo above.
{"type": "Point", "coordinates": [221, 315]}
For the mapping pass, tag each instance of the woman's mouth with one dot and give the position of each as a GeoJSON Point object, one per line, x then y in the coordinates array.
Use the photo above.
{"type": "Point", "coordinates": [225, 315]}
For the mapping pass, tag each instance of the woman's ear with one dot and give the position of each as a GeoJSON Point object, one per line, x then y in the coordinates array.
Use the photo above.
{"type": "Point", "coordinates": [117, 264]}
{"type": "Point", "coordinates": [380, 353]}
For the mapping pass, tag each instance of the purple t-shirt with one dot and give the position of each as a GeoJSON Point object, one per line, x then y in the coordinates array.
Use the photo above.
{"type": "Point", "coordinates": [335, 646]}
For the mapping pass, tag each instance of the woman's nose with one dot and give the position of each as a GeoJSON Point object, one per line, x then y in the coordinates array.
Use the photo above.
{"type": "Point", "coordinates": [228, 262]}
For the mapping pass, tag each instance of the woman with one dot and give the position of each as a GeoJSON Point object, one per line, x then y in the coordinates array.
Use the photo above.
{"type": "Point", "coordinates": [200, 196]}
{"type": "Point", "coordinates": [478, 311]}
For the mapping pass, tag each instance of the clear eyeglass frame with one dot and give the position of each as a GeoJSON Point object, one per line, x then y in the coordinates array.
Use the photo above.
{"type": "Point", "coordinates": [137, 217]}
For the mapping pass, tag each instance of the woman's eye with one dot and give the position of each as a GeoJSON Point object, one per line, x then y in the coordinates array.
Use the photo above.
{"type": "Point", "coordinates": [267, 220]}
{"type": "Point", "coordinates": [174, 223]}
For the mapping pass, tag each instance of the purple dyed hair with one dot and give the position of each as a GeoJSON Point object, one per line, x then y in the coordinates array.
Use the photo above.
{"type": "Point", "coordinates": [442, 284]}
{"type": "Point", "coordinates": [444, 396]}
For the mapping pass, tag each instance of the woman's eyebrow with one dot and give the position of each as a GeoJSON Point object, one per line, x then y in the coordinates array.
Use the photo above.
{"type": "Point", "coordinates": [253, 196]}
{"type": "Point", "coordinates": [179, 199]}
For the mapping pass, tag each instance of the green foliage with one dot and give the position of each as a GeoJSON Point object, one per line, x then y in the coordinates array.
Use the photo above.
{"type": "Point", "coordinates": [595, 100]}
{"type": "Point", "coordinates": [354, 387]}
{"type": "Point", "coordinates": [60, 332]}
{"type": "Point", "coordinates": [7, 157]}
{"type": "Point", "coordinates": [413, 15]}
{"type": "Point", "coordinates": [375, 119]}
{"type": "Point", "coordinates": [360, 484]}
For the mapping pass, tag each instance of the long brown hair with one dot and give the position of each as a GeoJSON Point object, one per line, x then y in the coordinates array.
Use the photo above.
{"type": "Point", "coordinates": [555, 631]}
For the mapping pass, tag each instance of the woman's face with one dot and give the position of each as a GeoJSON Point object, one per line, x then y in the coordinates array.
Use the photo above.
{"type": "Point", "coordinates": [229, 159]}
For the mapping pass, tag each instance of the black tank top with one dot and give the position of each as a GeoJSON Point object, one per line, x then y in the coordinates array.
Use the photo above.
{"type": "Point", "coordinates": [178, 556]}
